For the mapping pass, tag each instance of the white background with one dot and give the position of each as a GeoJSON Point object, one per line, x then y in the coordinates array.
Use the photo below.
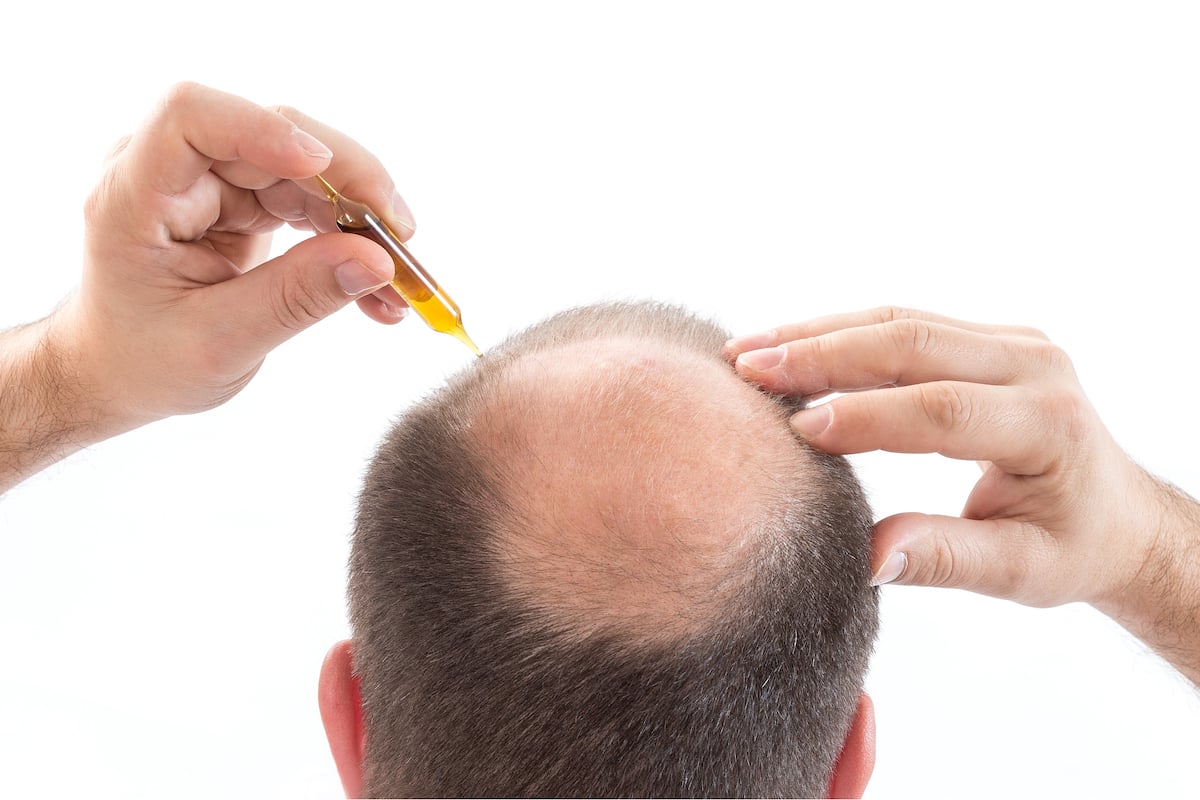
{"type": "Point", "coordinates": [166, 597]}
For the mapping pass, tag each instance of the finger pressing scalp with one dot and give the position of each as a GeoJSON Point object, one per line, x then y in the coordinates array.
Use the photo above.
{"type": "Point", "coordinates": [1002, 424]}
{"type": "Point", "coordinates": [860, 319]}
{"type": "Point", "coordinates": [885, 314]}
{"type": "Point", "coordinates": [754, 341]}
{"type": "Point", "coordinates": [1001, 558]}
{"type": "Point", "coordinates": [898, 353]}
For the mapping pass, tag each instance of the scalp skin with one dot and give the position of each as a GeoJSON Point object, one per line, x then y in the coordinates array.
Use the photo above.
{"type": "Point", "coordinates": [614, 517]}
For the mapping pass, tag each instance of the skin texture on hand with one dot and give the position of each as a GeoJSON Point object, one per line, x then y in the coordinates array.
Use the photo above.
{"type": "Point", "coordinates": [1060, 514]}
{"type": "Point", "coordinates": [177, 307]}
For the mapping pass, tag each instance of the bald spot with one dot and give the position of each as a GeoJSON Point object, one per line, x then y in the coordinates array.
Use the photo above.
{"type": "Point", "coordinates": [635, 475]}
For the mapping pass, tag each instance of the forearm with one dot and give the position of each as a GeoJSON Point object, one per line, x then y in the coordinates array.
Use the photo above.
{"type": "Point", "coordinates": [1161, 606]}
{"type": "Point", "coordinates": [45, 412]}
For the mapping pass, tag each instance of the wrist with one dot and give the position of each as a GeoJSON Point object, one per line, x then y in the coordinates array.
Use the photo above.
{"type": "Point", "coordinates": [50, 405]}
{"type": "Point", "coordinates": [91, 395]}
{"type": "Point", "coordinates": [1161, 603]}
{"type": "Point", "coordinates": [39, 423]}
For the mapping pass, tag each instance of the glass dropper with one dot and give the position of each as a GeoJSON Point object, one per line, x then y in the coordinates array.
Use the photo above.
{"type": "Point", "coordinates": [414, 284]}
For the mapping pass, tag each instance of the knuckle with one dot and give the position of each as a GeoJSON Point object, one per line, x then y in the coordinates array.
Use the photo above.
{"type": "Point", "coordinates": [100, 198]}
{"type": "Point", "coordinates": [297, 307]}
{"type": "Point", "coordinates": [946, 405]}
{"type": "Point", "coordinates": [942, 568]}
{"type": "Point", "coordinates": [1054, 359]}
{"type": "Point", "coordinates": [1068, 412]}
{"type": "Point", "coordinates": [1007, 565]}
{"type": "Point", "coordinates": [292, 114]}
{"type": "Point", "coordinates": [911, 336]}
{"type": "Point", "coordinates": [209, 360]}
{"type": "Point", "coordinates": [1018, 576]}
{"type": "Point", "coordinates": [1032, 333]}
{"type": "Point", "coordinates": [820, 350]}
{"type": "Point", "coordinates": [891, 313]}
{"type": "Point", "coordinates": [174, 105]}
{"type": "Point", "coordinates": [181, 94]}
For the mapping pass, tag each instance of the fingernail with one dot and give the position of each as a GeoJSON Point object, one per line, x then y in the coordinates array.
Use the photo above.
{"type": "Point", "coordinates": [403, 215]}
{"type": "Point", "coordinates": [753, 341]}
{"type": "Point", "coordinates": [310, 144]}
{"type": "Point", "coordinates": [355, 278]}
{"type": "Point", "coordinates": [892, 569]}
{"type": "Point", "coordinates": [761, 360]}
{"type": "Point", "coordinates": [812, 422]}
{"type": "Point", "coordinates": [397, 312]}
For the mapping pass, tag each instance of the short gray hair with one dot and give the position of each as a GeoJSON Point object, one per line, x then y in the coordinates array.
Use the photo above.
{"type": "Point", "coordinates": [468, 691]}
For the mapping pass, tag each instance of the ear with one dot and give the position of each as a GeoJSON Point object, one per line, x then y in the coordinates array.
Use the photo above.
{"type": "Point", "coordinates": [341, 714]}
{"type": "Point", "coordinates": [855, 763]}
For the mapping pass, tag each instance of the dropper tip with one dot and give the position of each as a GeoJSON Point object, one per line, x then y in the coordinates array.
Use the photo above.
{"type": "Point", "coordinates": [460, 333]}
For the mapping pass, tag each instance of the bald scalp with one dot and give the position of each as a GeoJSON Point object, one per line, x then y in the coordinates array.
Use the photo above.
{"type": "Point", "coordinates": [637, 477]}
{"type": "Point", "coordinates": [595, 563]}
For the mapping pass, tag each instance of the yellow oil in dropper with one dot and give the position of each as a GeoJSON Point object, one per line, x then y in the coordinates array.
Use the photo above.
{"type": "Point", "coordinates": [411, 280]}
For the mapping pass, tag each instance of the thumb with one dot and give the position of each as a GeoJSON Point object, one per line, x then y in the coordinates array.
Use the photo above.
{"type": "Point", "coordinates": [1001, 558]}
{"type": "Point", "coordinates": [281, 297]}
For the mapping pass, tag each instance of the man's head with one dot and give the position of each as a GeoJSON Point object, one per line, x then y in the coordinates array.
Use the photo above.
{"type": "Point", "coordinates": [598, 563]}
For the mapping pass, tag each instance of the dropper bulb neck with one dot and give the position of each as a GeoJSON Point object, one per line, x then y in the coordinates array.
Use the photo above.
{"type": "Point", "coordinates": [330, 192]}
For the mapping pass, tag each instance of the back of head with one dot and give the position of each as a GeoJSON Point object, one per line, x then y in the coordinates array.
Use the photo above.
{"type": "Point", "coordinates": [597, 563]}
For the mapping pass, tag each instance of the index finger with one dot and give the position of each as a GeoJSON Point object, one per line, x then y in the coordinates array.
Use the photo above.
{"type": "Point", "coordinates": [195, 126]}
{"type": "Point", "coordinates": [356, 173]}
{"type": "Point", "coordinates": [858, 319]}
{"type": "Point", "coordinates": [897, 353]}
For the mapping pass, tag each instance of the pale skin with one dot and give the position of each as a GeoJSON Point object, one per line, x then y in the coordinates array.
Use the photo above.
{"type": "Point", "coordinates": [177, 305]}
{"type": "Point", "coordinates": [177, 308]}
{"type": "Point", "coordinates": [1061, 514]}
